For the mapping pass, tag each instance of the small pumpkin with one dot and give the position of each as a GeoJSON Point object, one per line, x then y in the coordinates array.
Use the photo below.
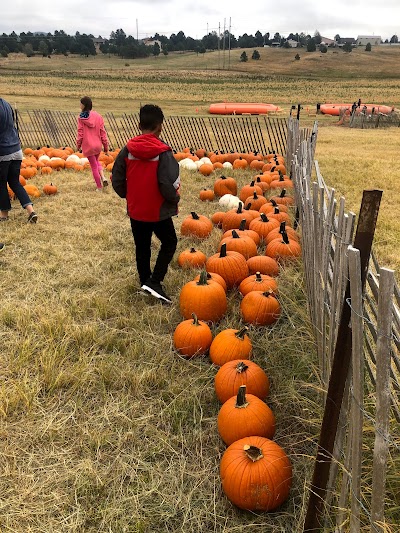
{"type": "Point", "coordinates": [49, 188]}
{"type": "Point", "coordinates": [242, 231]}
{"type": "Point", "coordinates": [277, 233]}
{"type": "Point", "coordinates": [232, 266]}
{"type": "Point", "coordinates": [197, 226]}
{"type": "Point", "coordinates": [206, 169]}
{"type": "Point", "coordinates": [258, 282]}
{"type": "Point", "coordinates": [192, 337]}
{"type": "Point", "coordinates": [283, 198]}
{"type": "Point", "coordinates": [243, 244]}
{"type": "Point", "coordinates": [192, 258]}
{"type": "Point", "coordinates": [245, 415]}
{"type": "Point", "coordinates": [207, 299]}
{"type": "Point", "coordinates": [260, 308]}
{"type": "Point", "coordinates": [217, 218]}
{"type": "Point", "coordinates": [255, 200]}
{"type": "Point", "coordinates": [206, 195]}
{"type": "Point", "coordinates": [248, 190]}
{"type": "Point", "coordinates": [234, 217]}
{"type": "Point", "coordinates": [283, 248]}
{"type": "Point", "coordinates": [231, 344]}
{"type": "Point", "coordinates": [239, 372]}
{"type": "Point", "coordinates": [225, 185]}
{"type": "Point", "coordinates": [263, 225]}
{"type": "Point", "coordinates": [256, 474]}
{"type": "Point", "coordinates": [263, 264]}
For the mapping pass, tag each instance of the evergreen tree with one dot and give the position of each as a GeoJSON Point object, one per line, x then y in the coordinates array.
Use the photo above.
{"type": "Point", "coordinates": [394, 39]}
{"type": "Point", "coordinates": [368, 47]}
{"type": "Point", "coordinates": [347, 47]}
{"type": "Point", "coordinates": [311, 46]}
{"type": "Point", "coordinates": [255, 55]}
{"type": "Point", "coordinates": [156, 49]}
{"type": "Point", "coordinates": [243, 57]}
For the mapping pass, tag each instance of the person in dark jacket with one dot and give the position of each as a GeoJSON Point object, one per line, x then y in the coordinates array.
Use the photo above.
{"type": "Point", "coordinates": [146, 173]}
{"type": "Point", "coordinates": [10, 164]}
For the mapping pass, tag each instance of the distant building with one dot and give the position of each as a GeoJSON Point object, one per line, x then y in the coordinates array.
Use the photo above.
{"type": "Point", "coordinates": [328, 42]}
{"type": "Point", "coordinates": [347, 40]}
{"type": "Point", "coordinates": [293, 43]}
{"type": "Point", "coordinates": [151, 42]}
{"type": "Point", "coordinates": [373, 40]}
{"type": "Point", "coordinates": [98, 41]}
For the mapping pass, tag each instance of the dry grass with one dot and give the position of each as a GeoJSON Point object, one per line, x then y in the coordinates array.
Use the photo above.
{"type": "Point", "coordinates": [104, 427]}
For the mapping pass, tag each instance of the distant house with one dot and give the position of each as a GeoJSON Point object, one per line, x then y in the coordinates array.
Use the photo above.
{"type": "Point", "coordinates": [98, 41]}
{"type": "Point", "coordinates": [328, 42]}
{"type": "Point", "coordinates": [373, 40]}
{"type": "Point", "coordinates": [293, 43]}
{"type": "Point", "coordinates": [347, 40]}
{"type": "Point", "coordinates": [151, 42]}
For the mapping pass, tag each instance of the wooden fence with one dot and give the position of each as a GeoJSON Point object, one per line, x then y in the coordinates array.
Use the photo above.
{"type": "Point", "coordinates": [356, 477]}
{"type": "Point", "coordinates": [243, 133]}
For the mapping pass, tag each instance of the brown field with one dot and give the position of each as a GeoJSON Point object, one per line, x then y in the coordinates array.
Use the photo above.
{"type": "Point", "coordinates": [102, 426]}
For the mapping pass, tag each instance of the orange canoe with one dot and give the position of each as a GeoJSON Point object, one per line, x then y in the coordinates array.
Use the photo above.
{"type": "Point", "coordinates": [229, 108]}
{"type": "Point", "coordinates": [335, 109]}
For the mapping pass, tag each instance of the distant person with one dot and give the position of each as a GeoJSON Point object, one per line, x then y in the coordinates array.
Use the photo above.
{"type": "Point", "coordinates": [353, 108]}
{"type": "Point", "coordinates": [359, 102]}
{"type": "Point", "coordinates": [91, 138]}
{"type": "Point", "coordinates": [146, 173]}
{"type": "Point", "coordinates": [10, 165]}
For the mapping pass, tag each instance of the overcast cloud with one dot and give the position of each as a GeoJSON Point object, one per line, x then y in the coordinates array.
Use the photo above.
{"type": "Point", "coordinates": [146, 17]}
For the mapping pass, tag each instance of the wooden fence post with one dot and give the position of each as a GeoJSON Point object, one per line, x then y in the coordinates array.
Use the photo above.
{"type": "Point", "coordinates": [340, 367]}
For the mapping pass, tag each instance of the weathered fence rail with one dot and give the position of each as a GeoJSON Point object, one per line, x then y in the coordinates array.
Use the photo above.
{"type": "Point", "coordinates": [364, 461]}
{"type": "Point", "coordinates": [243, 133]}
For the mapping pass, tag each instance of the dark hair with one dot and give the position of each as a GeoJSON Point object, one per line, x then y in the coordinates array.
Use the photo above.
{"type": "Point", "coordinates": [150, 117]}
{"type": "Point", "coordinates": [86, 101]}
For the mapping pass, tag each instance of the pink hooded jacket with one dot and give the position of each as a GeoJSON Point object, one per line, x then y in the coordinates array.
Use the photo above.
{"type": "Point", "coordinates": [92, 135]}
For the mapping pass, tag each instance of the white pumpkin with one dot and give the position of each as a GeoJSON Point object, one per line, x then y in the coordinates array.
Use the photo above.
{"type": "Point", "coordinates": [74, 158]}
{"type": "Point", "coordinates": [229, 201]}
{"type": "Point", "coordinates": [188, 164]}
{"type": "Point", "coordinates": [205, 161]}
{"type": "Point", "coordinates": [83, 160]}
{"type": "Point", "coordinates": [227, 164]}
{"type": "Point", "coordinates": [44, 157]}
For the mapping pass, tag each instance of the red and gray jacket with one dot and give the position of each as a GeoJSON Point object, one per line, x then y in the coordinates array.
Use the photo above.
{"type": "Point", "coordinates": [146, 173]}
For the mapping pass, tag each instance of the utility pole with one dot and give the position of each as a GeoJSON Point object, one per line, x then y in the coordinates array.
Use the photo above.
{"type": "Point", "coordinates": [137, 29]}
{"type": "Point", "coordinates": [223, 47]}
{"type": "Point", "coordinates": [219, 48]}
{"type": "Point", "coordinates": [229, 44]}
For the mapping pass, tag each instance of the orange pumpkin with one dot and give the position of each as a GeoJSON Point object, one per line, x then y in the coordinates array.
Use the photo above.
{"type": "Point", "coordinates": [231, 344]}
{"type": "Point", "coordinates": [258, 282]}
{"type": "Point", "coordinates": [239, 372]}
{"type": "Point", "coordinates": [263, 264]}
{"type": "Point", "coordinates": [196, 225]}
{"type": "Point", "coordinates": [192, 337]}
{"type": "Point", "coordinates": [245, 415]}
{"type": "Point", "coordinates": [283, 248]}
{"type": "Point", "coordinates": [207, 299]}
{"type": "Point", "coordinates": [206, 195]}
{"type": "Point", "coordinates": [243, 244]}
{"type": "Point", "coordinates": [232, 266]}
{"type": "Point", "coordinates": [256, 474]}
{"type": "Point", "coordinates": [260, 308]}
{"type": "Point", "coordinates": [192, 258]}
{"type": "Point", "coordinates": [49, 188]}
{"type": "Point", "coordinates": [225, 185]}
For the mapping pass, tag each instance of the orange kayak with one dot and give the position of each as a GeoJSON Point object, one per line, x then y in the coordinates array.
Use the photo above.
{"type": "Point", "coordinates": [335, 109]}
{"type": "Point", "coordinates": [227, 108]}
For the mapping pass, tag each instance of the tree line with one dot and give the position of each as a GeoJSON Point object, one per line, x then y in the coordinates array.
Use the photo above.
{"type": "Point", "coordinates": [126, 46]}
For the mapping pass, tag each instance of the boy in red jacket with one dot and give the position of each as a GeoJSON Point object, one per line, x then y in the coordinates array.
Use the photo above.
{"type": "Point", "coordinates": [146, 173]}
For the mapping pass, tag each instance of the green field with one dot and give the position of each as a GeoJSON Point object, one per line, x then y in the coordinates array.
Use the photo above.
{"type": "Point", "coordinates": [103, 427]}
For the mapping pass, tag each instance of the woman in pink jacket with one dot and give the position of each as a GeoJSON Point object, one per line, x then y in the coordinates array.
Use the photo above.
{"type": "Point", "coordinates": [91, 138]}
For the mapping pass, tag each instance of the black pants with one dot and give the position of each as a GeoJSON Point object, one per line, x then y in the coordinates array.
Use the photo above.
{"type": "Point", "coordinates": [9, 173]}
{"type": "Point", "coordinates": [142, 231]}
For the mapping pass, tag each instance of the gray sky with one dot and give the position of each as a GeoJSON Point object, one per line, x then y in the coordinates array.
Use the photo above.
{"type": "Point", "coordinates": [348, 18]}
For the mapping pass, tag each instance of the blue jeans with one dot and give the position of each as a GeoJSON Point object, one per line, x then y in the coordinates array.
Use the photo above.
{"type": "Point", "coordinates": [9, 173]}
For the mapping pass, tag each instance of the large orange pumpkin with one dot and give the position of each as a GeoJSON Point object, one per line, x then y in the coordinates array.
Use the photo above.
{"type": "Point", "coordinates": [256, 474]}
{"type": "Point", "coordinates": [225, 185]}
{"type": "Point", "coordinates": [260, 308]}
{"type": "Point", "coordinates": [232, 266]}
{"type": "Point", "coordinates": [197, 226]}
{"type": "Point", "coordinates": [263, 264]}
{"type": "Point", "coordinates": [258, 282]}
{"type": "Point", "coordinates": [207, 299]}
{"type": "Point", "coordinates": [245, 415]}
{"type": "Point", "coordinates": [192, 337]}
{"type": "Point", "coordinates": [233, 374]}
{"type": "Point", "coordinates": [230, 344]}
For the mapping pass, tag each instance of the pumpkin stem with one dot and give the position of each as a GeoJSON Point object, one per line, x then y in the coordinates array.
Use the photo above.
{"type": "Point", "coordinates": [269, 293]}
{"type": "Point", "coordinates": [242, 225]}
{"type": "Point", "coordinates": [241, 332]}
{"type": "Point", "coordinates": [264, 217]}
{"type": "Point", "coordinates": [195, 320]}
{"type": "Point", "coordinates": [285, 237]}
{"type": "Point", "coordinates": [283, 193]}
{"type": "Point", "coordinates": [276, 210]}
{"type": "Point", "coordinates": [195, 215]}
{"type": "Point", "coordinates": [255, 196]}
{"type": "Point", "coordinates": [241, 401]}
{"type": "Point", "coordinates": [223, 178]}
{"type": "Point", "coordinates": [253, 453]}
{"type": "Point", "coordinates": [203, 278]}
{"type": "Point", "coordinates": [258, 277]}
{"type": "Point", "coordinates": [282, 227]}
{"type": "Point", "coordinates": [273, 203]}
{"type": "Point", "coordinates": [252, 183]}
{"type": "Point", "coordinates": [240, 208]}
{"type": "Point", "coordinates": [223, 250]}
{"type": "Point", "coordinates": [192, 250]}
{"type": "Point", "coordinates": [241, 367]}
{"type": "Point", "coordinates": [235, 235]}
